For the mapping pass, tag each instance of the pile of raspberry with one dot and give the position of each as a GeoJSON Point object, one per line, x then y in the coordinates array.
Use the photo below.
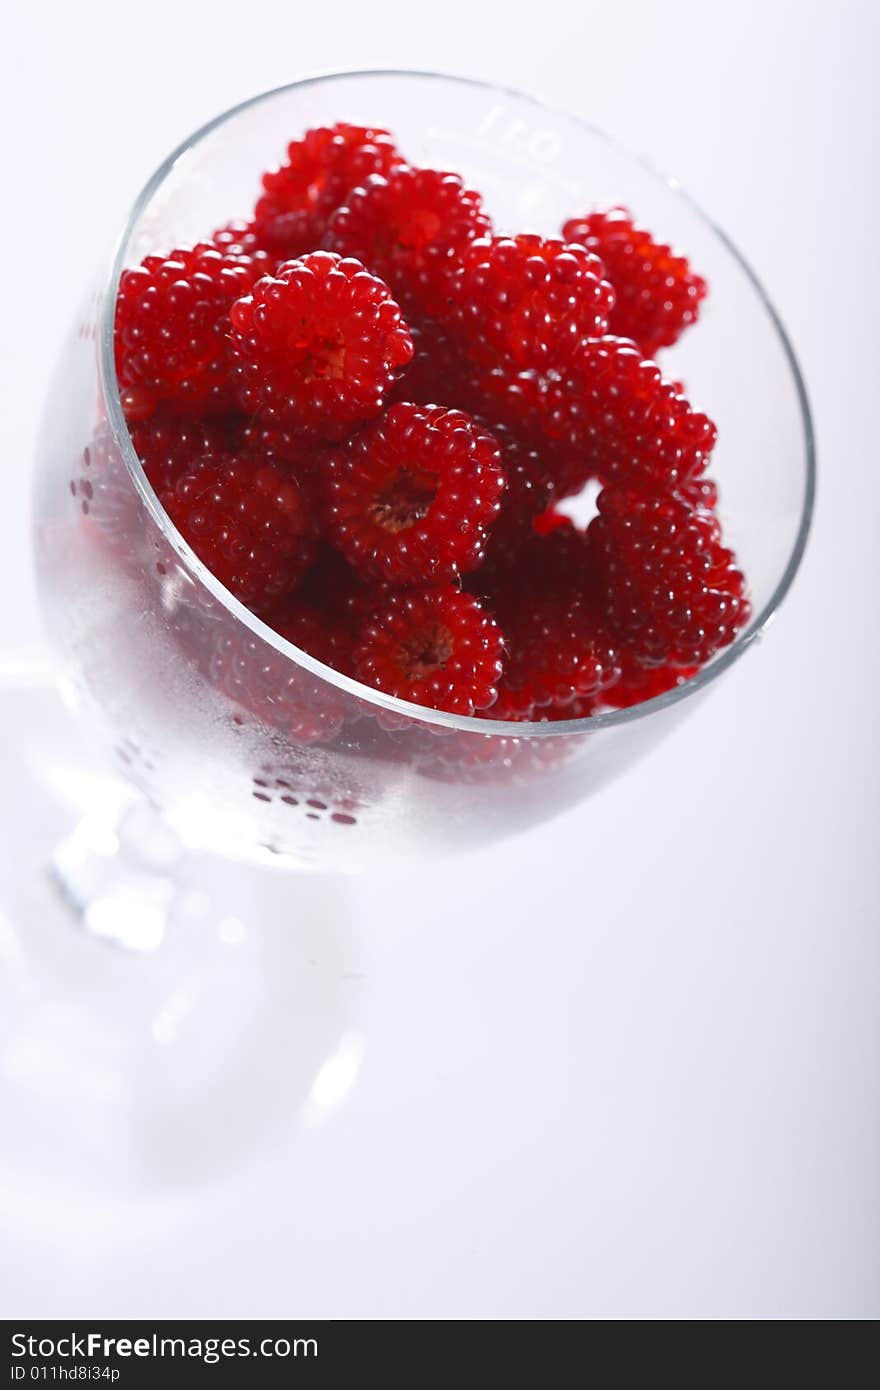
{"type": "Point", "coordinates": [365, 410]}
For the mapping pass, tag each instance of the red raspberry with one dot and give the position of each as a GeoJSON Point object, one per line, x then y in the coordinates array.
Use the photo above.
{"type": "Point", "coordinates": [172, 329]}
{"type": "Point", "coordinates": [540, 563]}
{"type": "Point", "coordinates": [491, 759]}
{"type": "Point", "coordinates": [322, 168]}
{"type": "Point", "coordinates": [434, 375]}
{"type": "Point", "coordinates": [548, 601]}
{"type": "Point", "coordinates": [313, 630]}
{"type": "Point", "coordinates": [612, 415]}
{"type": "Point", "coordinates": [434, 647]}
{"type": "Point", "coordinates": [410, 498]}
{"type": "Point", "coordinates": [556, 559]}
{"type": "Point", "coordinates": [240, 239]}
{"type": "Point", "coordinates": [408, 228]}
{"type": "Point", "coordinates": [639, 683]}
{"type": "Point", "coordinates": [559, 652]}
{"type": "Point", "coordinates": [318, 347]}
{"type": "Point", "coordinates": [515, 400]}
{"type": "Point", "coordinates": [528, 494]}
{"type": "Point", "coordinates": [168, 445]}
{"type": "Point", "coordinates": [333, 587]}
{"type": "Point", "coordinates": [247, 521]}
{"type": "Point", "coordinates": [527, 301]}
{"type": "Point", "coordinates": [700, 492]}
{"type": "Point", "coordinates": [553, 520]}
{"type": "Point", "coordinates": [288, 450]}
{"type": "Point", "coordinates": [673, 593]}
{"type": "Point", "coordinates": [656, 293]}
{"type": "Point", "coordinates": [276, 691]}
{"type": "Point", "coordinates": [519, 405]}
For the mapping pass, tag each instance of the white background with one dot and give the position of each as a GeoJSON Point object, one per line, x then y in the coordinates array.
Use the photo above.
{"type": "Point", "coordinates": [627, 1065]}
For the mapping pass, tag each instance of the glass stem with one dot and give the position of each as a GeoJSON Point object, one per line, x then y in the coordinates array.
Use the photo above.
{"type": "Point", "coordinates": [118, 873]}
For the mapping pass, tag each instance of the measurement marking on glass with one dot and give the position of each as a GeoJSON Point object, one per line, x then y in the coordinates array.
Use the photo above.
{"type": "Point", "coordinates": [491, 148]}
{"type": "Point", "coordinates": [542, 143]}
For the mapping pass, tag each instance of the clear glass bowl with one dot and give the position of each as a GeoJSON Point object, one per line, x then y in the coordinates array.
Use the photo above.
{"type": "Point", "coordinates": [245, 743]}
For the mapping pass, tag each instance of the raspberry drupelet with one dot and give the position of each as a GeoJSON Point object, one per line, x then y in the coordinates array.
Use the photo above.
{"type": "Point", "coordinates": [410, 499]}
{"type": "Point", "coordinates": [172, 329]}
{"type": "Point", "coordinates": [672, 592]}
{"type": "Point", "coordinates": [247, 519]}
{"type": "Point", "coordinates": [656, 293]}
{"type": "Point", "coordinates": [612, 415]}
{"type": "Point", "coordinates": [318, 346]}
{"type": "Point", "coordinates": [699, 492]}
{"type": "Point", "coordinates": [527, 301]}
{"type": "Point", "coordinates": [240, 239]}
{"type": "Point", "coordinates": [321, 169]}
{"type": "Point", "coordinates": [409, 227]}
{"type": "Point", "coordinates": [436, 647]}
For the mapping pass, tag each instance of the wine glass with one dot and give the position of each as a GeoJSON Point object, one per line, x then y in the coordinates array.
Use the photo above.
{"type": "Point", "coordinates": [181, 677]}
{"type": "Point", "coordinates": [235, 741]}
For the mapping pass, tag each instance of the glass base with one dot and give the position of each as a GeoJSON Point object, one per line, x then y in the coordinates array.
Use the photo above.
{"type": "Point", "coordinates": [128, 1071]}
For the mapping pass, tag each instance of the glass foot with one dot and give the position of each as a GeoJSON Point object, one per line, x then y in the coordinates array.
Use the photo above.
{"type": "Point", "coordinates": [133, 1071]}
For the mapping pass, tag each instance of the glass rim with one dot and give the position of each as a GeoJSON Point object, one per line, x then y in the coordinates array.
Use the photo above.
{"type": "Point", "coordinates": [200, 573]}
